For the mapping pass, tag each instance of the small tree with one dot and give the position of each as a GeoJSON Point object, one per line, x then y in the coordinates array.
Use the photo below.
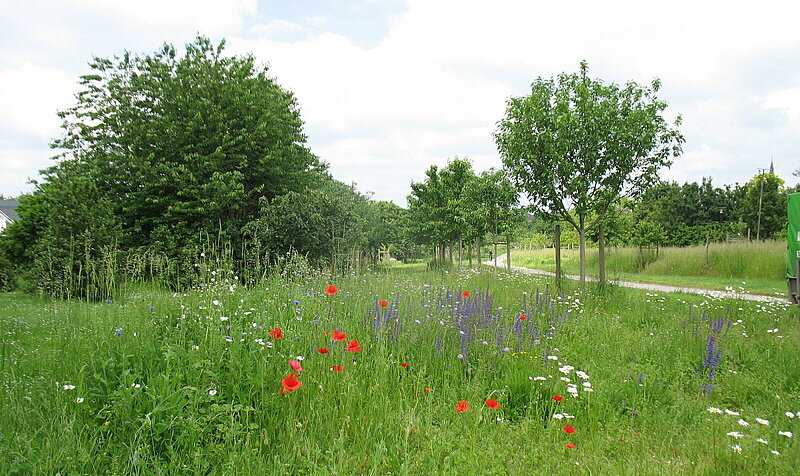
{"type": "Point", "coordinates": [575, 144]}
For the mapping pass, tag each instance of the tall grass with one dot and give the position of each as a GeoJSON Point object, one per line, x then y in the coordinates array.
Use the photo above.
{"type": "Point", "coordinates": [737, 260]}
{"type": "Point", "coordinates": [188, 383]}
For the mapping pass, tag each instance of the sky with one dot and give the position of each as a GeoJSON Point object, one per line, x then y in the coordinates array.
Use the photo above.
{"type": "Point", "coordinates": [388, 88]}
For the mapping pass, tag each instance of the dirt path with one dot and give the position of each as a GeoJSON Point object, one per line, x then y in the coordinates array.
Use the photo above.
{"type": "Point", "coordinates": [662, 288]}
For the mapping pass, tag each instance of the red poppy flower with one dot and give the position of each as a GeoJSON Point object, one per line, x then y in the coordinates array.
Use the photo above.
{"type": "Point", "coordinates": [295, 365]}
{"type": "Point", "coordinates": [558, 398]}
{"type": "Point", "coordinates": [290, 383]}
{"type": "Point", "coordinates": [383, 303]}
{"type": "Point", "coordinates": [337, 368]}
{"type": "Point", "coordinates": [352, 346]}
{"type": "Point", "coordinates": [465, 294]}
{"type": "Point", "coordinates": [569, 429]}
{"type": "Point", "coordinates": [427, 389]}
{"type": "Point", "coordinates": [322, 350]}
{"type": "Point", "coordinates": [338, 336]}
{"type": "Point", "coordinates": [462, 406]}
{"type": "Point", "coordinates": [404, 364]}
{"type": "Point", "coordinates": [522, 318]}
{"type": "Point", "coordinates": [570, 445]}
{"type": "Point", "coordinates": [332, 290]}
{"type": "Point", "coordinates": [276, 333]}
{"type": "Point", "coordinates": [492, 403]}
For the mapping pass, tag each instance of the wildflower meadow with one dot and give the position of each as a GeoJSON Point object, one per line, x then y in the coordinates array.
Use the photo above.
{"type": "Point", "coordinates": [397, 371]}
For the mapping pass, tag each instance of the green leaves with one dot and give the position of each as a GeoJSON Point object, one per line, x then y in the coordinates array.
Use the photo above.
{"type": "Point", "coordinates": [187, 142]}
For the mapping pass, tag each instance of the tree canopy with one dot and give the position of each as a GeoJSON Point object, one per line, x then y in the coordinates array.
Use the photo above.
{"type": "Point", "coordinates": [576, 144]}
{"type": "Point", "coordinates": [183, 143]}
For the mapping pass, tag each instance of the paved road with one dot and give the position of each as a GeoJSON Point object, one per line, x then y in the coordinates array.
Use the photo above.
{"type": "Point", "coordinates": [649, 286]}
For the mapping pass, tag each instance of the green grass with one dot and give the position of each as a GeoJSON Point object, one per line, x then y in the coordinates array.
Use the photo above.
{"type": "Point", "coordinates": [757, 267]}
{"type": "Point", "coordinates": [148, 408]}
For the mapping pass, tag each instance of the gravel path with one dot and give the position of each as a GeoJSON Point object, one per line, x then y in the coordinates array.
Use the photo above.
{"type": "Point", "coordinates": [662, 288]}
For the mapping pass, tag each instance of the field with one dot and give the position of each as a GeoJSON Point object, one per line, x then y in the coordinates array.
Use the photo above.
{"type": "Point", "coordinates": [208, 381]}
{"type": "Point", "coordinates": [756, 267]}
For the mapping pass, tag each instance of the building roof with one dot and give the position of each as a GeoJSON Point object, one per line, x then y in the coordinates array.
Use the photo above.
{"type": "Point", "coordinates": [9, 208]}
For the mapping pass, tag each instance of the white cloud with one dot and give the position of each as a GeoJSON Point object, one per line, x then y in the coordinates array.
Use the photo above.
{"type": "Point", "coordinates": [277, 28]}
{"type": "Point", "coordinates": [18, 166]}
{"type": "Point", "coordinates": [211, 17]}
{"type": "Point", "coordinates": [788, 102]}
{"type": "Point", "coordinates": [436, 84]}
{"type": "Point", "coordinates": [30, 96]}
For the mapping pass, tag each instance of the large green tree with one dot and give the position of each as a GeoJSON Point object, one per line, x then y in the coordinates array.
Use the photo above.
{"type": "Point", "coordinates": [576, 144]}
{"type": "Point", "coordinates": [762, 206]}
{"type": "Point", "coordinates": [181, 143]}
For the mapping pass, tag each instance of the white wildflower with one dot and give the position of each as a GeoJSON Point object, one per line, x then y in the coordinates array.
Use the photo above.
{"type": "Point", "coordinates": [743, 423]}
{"type": "Point", "coordinates": [787, 434]}
{"type": "Point", "coordinates": [69, 387]}
{"type": "Point", "coordinates": [714, 410]}
{"type": "Point", "coordinates": [736, 448]}
{"type": "Point", "coordinates": [735, 434]}
{"type": "Point", "coordinates": [790, 414]}
{"type": "Point", "coordinates": [775, 452]}
{"type": "Point", "coordinates": [79, 400]}
{"type": "Point", "coordinates": [212, 392]}
{"type": "Point", "coordinates": [763, 421]}
{"type": "Point", "coordinates": [731, 412]}
{"type": "Point", "coordinates": [762, 441]}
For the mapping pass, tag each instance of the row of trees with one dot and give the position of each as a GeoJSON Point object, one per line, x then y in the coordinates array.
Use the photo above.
{"type": "Point", "coordinates": [453, 206]}
{"type": "Point", "coordinates": [670, 214]}
{"type": "Point", "coordinates": [165, 153]}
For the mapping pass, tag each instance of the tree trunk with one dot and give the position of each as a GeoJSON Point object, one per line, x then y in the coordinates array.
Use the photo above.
{"type": "Point", "coordinates": [460, 252]}
{"type": "Point", "coordinates": [557, 246]}
{"type": "Point", "coordinates": [478, 250]}
{"type": "Point", "coordinates": [495, 252]}
{"type": "Point", "coordinates": [450, 252]}
{"type": "Point", "coordinates": [601, 254]}
{"type": "Point", "coordinates": [508, 254]}
{"type": "Point", "coordinates": [469, 255]}
{"type": "Point", "coordinates": [582, 235]}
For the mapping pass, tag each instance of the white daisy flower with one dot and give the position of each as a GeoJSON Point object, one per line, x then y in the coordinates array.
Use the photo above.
{"type": "Point", "coordinates": [212, 392]}
{"type": "Point", "coordinates": [763, 421]}
{"type": "Point", "coordinates": [787, 434]}
{"type": "Point", "coordinates": [735, 434]}
{"type": "Point", "coordinates": [775, 452]}
{"type": "Point", "coordinates": [731, 412]}
{"type": "Point", "coordinates": [79, 400]}
{"type": "Point", "coordinates": [743, 423]}
{"type": "Point", "coordinates": [762, 441]}
{"type": "Point", "coordinates": [69, 387]}
{"type": "Point", "coordinates": [714, 410]}
{"type": "Point", "coordinates": [790, 414]}
{"type": "Point", "coordinates": [736, 448]}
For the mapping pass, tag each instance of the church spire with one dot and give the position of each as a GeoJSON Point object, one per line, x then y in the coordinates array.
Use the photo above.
{"type": "Point", "coordinates": [771, 168]}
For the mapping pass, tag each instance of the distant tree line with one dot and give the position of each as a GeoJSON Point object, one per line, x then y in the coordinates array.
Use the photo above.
{"type": "Point", "coordinates": [456, 210]}
{"type": "Point", "coordinates": [670, 214]}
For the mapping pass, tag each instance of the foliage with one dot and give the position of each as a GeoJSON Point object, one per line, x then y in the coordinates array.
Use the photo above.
{"type": "Point", "coordinates": [180, 144]}
{"type": "Point", "coordinates": [318, 224]}
{"type": "Point", "coordinates": [575, 144]}
{"type": "Point", "coordinates": [768, 190]}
